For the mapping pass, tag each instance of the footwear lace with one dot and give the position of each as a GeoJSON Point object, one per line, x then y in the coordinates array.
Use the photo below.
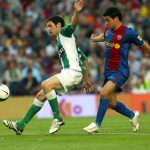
{"type": "Point", "coordinates": [10, 124]}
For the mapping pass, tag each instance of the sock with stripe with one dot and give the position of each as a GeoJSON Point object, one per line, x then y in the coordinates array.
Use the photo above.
{"type": "Point", "coordinates": [52, 99]}
{"type": "Point", "coordinates": [35, 107]}
{"type": "Point", "coordinates": [55, 108]}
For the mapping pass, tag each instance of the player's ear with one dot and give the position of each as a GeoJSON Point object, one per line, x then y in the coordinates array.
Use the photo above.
{"type": "Point", "coordinates": [58, 25]}
{"type": "Point", "coordinates": [116, 19]}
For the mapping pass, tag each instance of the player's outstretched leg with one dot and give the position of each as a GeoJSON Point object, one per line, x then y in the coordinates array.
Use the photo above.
{"type": "Point", "coordinates": [133, 115]}
{"type": "Point", "coordinates": [134, 121]}
{"type": "Point", "coordinates": [12, 125]}
{"type": "Point", "coordinates": [57, 123]}
{"type": "Point", "coordinates": [20, 125]}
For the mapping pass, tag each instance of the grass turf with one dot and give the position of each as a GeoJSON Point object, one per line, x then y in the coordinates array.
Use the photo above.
{"type": "Point", "coordinates": [115, 134]}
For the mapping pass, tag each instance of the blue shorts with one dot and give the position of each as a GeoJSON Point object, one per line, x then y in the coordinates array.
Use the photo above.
{"type": "Point", "coordinates": [116, 77]}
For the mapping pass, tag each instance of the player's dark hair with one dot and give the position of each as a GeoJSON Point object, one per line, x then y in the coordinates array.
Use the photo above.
{"type": "Point", "coordinates": [113, 12]}
{"type": "Point", "coordinates": [56, 20]}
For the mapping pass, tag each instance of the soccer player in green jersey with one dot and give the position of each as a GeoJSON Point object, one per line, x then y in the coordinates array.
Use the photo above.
{"type": "Point", "coordinates": [74, 64]}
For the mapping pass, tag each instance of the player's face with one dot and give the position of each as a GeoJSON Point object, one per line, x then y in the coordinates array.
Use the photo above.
{"type": "Point", "coordinates": [110, 23]}
{"type": "Point", "coordinates": [52, 28]}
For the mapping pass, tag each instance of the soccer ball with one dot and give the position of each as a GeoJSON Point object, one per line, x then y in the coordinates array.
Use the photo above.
{"type": "Point", "coordinates": [4, 92]}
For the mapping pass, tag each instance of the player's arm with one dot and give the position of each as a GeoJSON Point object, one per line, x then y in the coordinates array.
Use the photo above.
{"type": "Point", "coordinates": [78, 6]}
{"type": "Point", "coordinates": [137, 40]}
{"type": "Point", "coordinates": [87, 86]}
{"type": "Point", "coordinates": [97, 38]}
{"type": "Point", "coordinates": [86, 71]}
{"type": "Point", "coordinates": [85, 64]}
{"type": "Point", "coordinates": [146, 47]}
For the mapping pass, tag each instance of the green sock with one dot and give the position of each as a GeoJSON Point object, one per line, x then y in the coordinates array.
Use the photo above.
{"type": "Point", "coordinates": [28, 116]}
{"type": "Point", "coordinates": [55, 108]}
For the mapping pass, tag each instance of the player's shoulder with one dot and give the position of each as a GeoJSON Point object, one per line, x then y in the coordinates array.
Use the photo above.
{"type": "Point", "coordinates": [126, 28]}
{"type": "Point", "coordinates": [66, 26]}
{"type": "Point", "coordinates": [67, 30]}
{"type": "Point", "coordinates": [130, 30]}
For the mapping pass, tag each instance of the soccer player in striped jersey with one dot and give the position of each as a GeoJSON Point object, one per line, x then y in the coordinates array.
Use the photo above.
{"type": "Point", "coordinates": [75, 68]}
{"type": "Point", "coordinates": [118, 39]}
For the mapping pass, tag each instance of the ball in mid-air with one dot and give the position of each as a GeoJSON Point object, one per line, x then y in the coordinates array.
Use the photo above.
{"type": "Point", "coordinates": [4, 92]}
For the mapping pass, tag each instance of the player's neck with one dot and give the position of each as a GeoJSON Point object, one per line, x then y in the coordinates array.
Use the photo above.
{"type": "Point", "coordinates": [118, 25]}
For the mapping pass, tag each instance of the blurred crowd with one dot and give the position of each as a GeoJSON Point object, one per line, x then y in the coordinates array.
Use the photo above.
{"type": "Point", "coordinates": [28, 54]}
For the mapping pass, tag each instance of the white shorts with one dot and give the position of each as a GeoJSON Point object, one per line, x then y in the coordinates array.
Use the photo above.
{"type": "Point", "coordinates": [69, 78]}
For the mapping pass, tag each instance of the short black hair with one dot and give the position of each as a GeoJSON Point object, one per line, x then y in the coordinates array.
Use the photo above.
{"type": "Point", "coordinates": [113, 12]}
{"type": "Point", "coordinates": [56, 20]}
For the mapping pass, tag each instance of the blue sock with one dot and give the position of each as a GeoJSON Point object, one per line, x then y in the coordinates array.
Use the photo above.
{"type": "Point", "coordinates": [122, 109]}
{"type": "Point", "coordinates": [101, 111]}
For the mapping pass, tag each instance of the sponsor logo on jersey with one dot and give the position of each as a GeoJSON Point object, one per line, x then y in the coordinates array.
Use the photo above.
{"type": "Point", "coordinates": [119, 37]}
{"type": "Point", "coordinates": [117, 46]}
{"type": "Point", "coordinates": [110, 44]}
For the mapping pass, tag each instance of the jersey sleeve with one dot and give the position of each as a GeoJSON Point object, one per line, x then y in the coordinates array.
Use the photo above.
{"type": "Point", "coordinates": [135, 38]}
{"type": "Point", "coordinates": [82, 56]}
{"type": "Point", "coordinates": [67, 31]}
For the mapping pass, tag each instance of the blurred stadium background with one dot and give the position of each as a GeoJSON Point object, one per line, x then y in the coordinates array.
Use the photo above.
{"type": "Point", "coordinates": [27, 50]}
{"type": "Point", "coordinates": [28, 55]}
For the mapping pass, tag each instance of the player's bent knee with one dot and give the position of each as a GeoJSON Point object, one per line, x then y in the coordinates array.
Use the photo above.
{"type": "Point", "coordinates": [41, 96]}
{"type": "Point", "coordinates": [111, 106]}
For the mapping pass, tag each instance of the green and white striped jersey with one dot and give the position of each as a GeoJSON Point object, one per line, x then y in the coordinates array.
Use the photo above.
{"type": "Point", "coordinates": [69, 53]}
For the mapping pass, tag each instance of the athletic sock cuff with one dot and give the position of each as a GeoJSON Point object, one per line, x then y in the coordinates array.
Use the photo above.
{"type": "Point", "coordinates": [38, 103]}
{"type": "Point", "coordinates": [51, 95]}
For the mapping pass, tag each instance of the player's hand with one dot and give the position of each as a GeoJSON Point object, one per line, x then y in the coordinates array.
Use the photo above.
{"type": "Point", "coordinates": [94, 37]}
{"type": "Point", "coordinates": [88, 87]}
{"type": "Point", "coordinates": [78, 5]}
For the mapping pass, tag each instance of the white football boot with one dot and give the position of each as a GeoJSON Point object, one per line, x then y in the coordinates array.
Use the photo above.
{"type": "Point", "coordinates": [134, 121]}
{"type": "Point", "coordinates": [56, 125]}
{"type": "Point", "coordinates": [12, 125]}
{"type": "Point", "coordinates": [91, 128]}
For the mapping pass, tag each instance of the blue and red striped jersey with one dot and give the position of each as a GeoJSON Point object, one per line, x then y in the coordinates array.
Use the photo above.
{"type": "Point", "coordinates": [117, 44]}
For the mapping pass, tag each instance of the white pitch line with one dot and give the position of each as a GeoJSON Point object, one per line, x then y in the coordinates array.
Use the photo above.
{"type": "Point", "coordinates": [82, 133]}
{"type": "Point", "coordinates": [122, 133]}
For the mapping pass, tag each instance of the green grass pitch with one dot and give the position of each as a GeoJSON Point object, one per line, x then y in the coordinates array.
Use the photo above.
{"type": "Point", "coordinates": [115, 134]}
